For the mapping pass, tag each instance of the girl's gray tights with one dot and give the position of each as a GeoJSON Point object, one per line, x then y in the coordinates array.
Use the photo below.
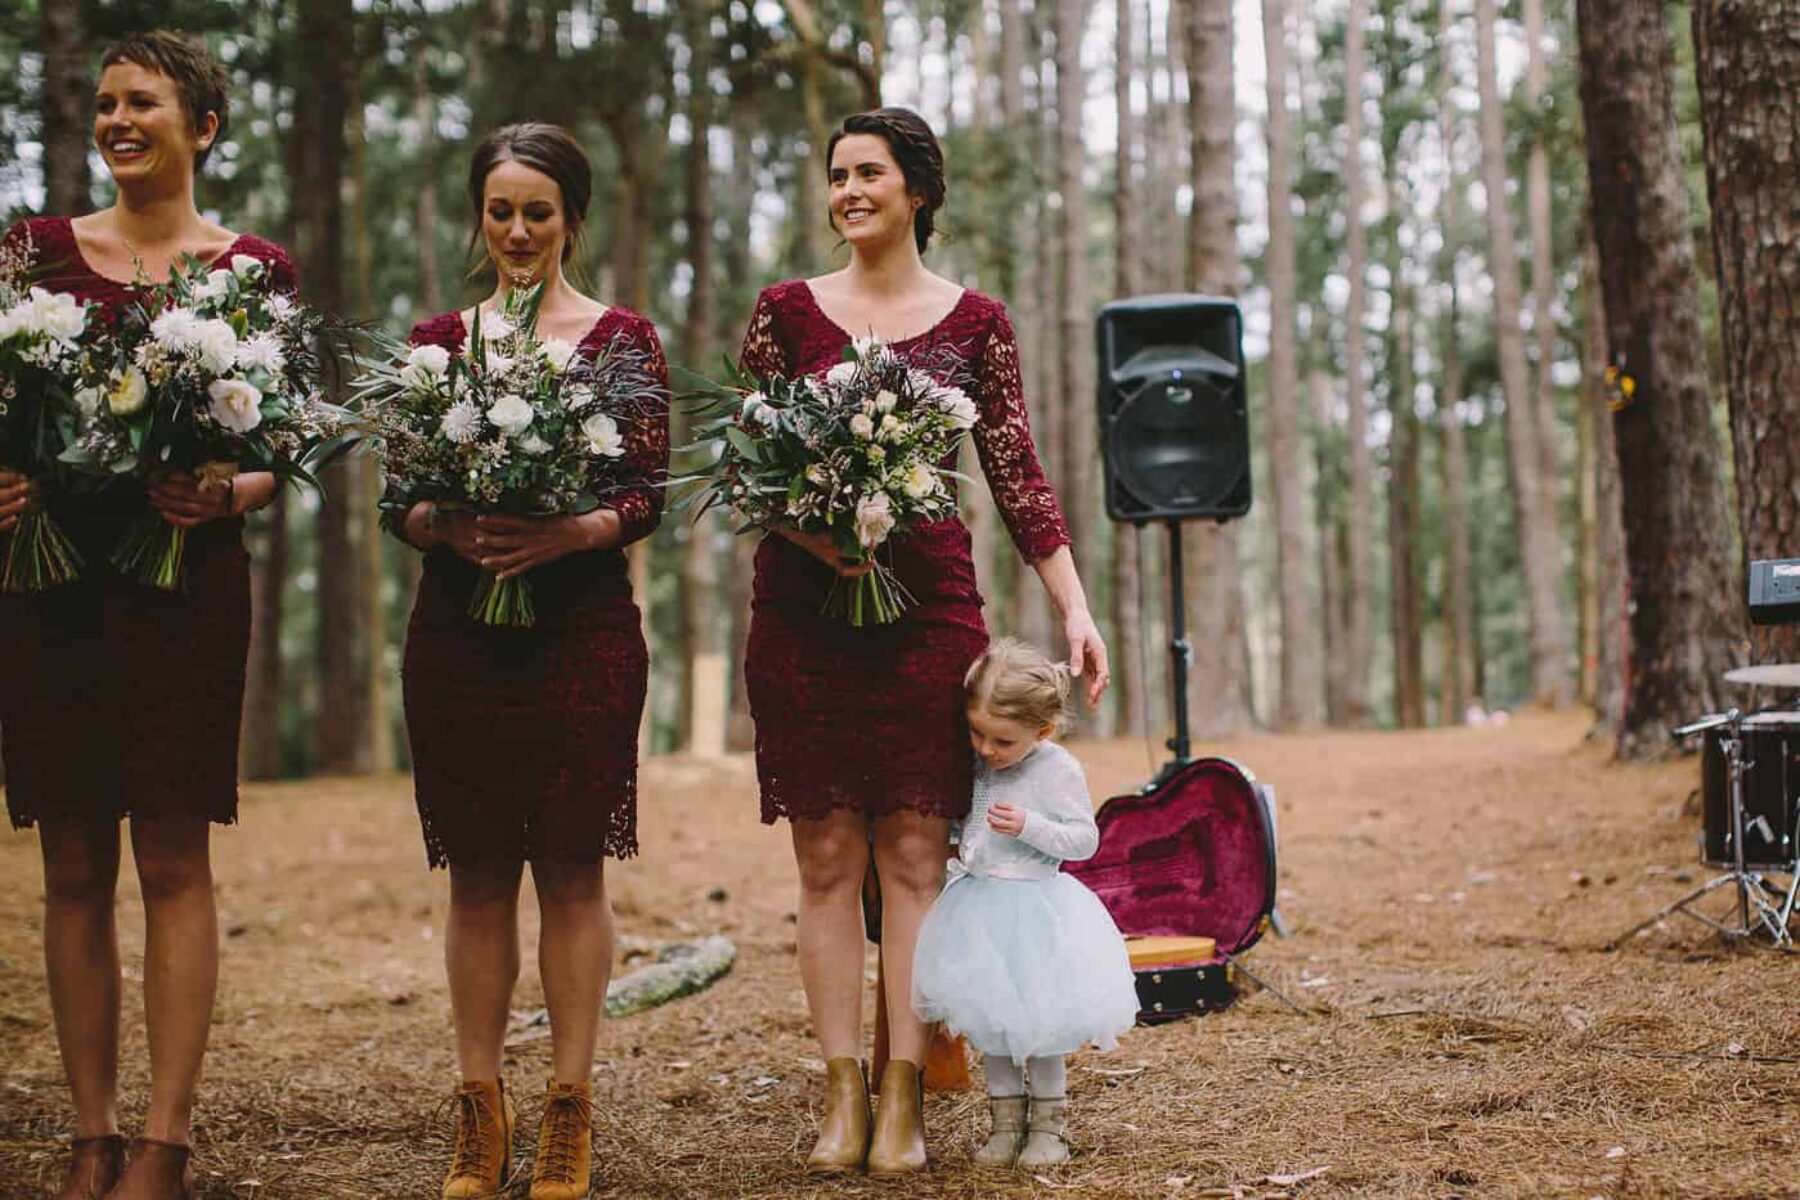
{"type": "Point", "coordinates": [1048, 1076]}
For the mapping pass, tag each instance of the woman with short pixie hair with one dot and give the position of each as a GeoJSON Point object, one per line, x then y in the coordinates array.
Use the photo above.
{"type": "Point", "coordinates": [119, 701]}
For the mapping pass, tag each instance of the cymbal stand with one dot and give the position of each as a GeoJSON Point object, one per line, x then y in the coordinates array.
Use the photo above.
{"type": "Point", "coordinates": [1756, 912]}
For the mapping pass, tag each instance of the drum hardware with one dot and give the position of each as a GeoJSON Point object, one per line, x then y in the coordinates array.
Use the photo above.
{"type": "Point", "coordinates": [1762, 907]}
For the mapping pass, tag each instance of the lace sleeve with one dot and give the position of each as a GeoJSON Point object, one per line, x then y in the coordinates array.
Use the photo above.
{"type": "Point", "coordinates": [1008, 458]}
{"type": "Point", "coordinates": [763, 355]}
{"type": "Point", "coordinates": [640, 506]}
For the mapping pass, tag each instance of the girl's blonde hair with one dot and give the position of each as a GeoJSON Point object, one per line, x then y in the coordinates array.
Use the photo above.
{"type": "Point", "coordinates": [1016, 682]}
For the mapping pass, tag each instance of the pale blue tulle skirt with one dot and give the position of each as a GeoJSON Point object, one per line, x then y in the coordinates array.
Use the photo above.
{"type": "Point", "coordinates": [1024, 967]}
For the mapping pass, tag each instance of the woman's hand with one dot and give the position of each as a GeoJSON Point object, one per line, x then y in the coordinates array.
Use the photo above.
{"type": "Point", "coordinates": [1087, 653]}
{"type": "Point", "coordinates": [445, 528]}
{"type": "Point", "coordinates": [16, 491]}
{"type": "Point", "coordinates": [1006, 818]}
{"type": "Point", "coordinates": [182, 499]}
{"type": "Point", "coordinates": [823, 547]}
{"type": "Point", "coordinates": [511, 546]}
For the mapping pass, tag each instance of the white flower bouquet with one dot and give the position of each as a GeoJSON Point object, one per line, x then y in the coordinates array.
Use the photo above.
{"type": "Point", "coordinates": [516, 425]}
{"type": "Point", "coordinates": [41, 368]}
{"type": "Point", "coordinates": [211, 373]}
{"type": "Point", "coordinates": [859, 454]}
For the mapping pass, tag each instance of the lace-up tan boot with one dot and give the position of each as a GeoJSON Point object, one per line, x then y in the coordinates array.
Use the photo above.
{"type": "Point", "coordinates": [95, 1165]}
{"type": "Point", "coordinates": [1045, 1140]}
{"type": "Point", "coordinates": [565, 1153]}
{"type": "Point", "coordinates": [844, 1130]}
{"type": "Point", "coordinates": [155, 1171]}
{"type": "Point", "coordinates": [1006, 1133]}
{"type": "Point", "coordinates": [482, 1162]}
{"type": "Point", "coordinates": [897, 1146]}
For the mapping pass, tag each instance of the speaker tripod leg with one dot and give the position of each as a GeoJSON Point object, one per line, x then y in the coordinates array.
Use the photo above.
{"type": "Point", "coordinates": [1676, 906]}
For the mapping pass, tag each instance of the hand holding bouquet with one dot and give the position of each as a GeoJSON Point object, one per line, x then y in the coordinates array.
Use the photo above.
{"type": "Point", "coordinates": [213, 373]}
{"type": "Point", "coordinates": [515, 427]}
{"type": "Point", "coordinates": [858, 455]}
{"type": "Point", "coordinates": [41, 370]}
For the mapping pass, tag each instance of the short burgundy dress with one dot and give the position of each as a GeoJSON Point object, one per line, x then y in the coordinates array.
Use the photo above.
{"type": "Point", "coordinates": [524, 741]}
{"type": "Point", "coordinates": [118, 699]}
{"type": "Point", "coordinates": [871, 719]}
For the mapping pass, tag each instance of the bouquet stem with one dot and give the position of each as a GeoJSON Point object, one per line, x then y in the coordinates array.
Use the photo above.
{"type": "Point", "coordinates": [153, 552]}
{"type": "Point", "coordinates": [39, 556]}
{"type": "Point", "coordinates": [877, 598]}
{"type": "Point", "coordinates": [503, 602]}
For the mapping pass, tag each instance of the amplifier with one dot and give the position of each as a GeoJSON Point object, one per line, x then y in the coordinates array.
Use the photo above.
{"type": "Point", "coordinates": [1775, 591]}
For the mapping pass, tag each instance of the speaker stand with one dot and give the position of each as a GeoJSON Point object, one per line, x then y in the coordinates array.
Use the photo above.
{"type": "Point", "coordinates": [1181, 657]}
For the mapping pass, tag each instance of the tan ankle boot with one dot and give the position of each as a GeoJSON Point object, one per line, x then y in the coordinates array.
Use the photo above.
{"type": "Point", "coordinates": [843, 1142]}
{"type": "Point", "coordinates": [155, 1171]}
{"type": "Point", "coordinates": [897, 1146]}
{"type": "Point", "coordinates": [95, 1165]}
{"type": "Point", "coordinates": [565, 1153]}
{"type": "Point", "coordinates": [1006, 1132]}
{"type": "Point", "coordinates": [482, 1162]}
{"type": "Point", "coordinates": [1045, 1143]}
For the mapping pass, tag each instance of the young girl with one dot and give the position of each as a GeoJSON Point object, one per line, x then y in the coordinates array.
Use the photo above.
{"type": "Point", "coordinates": [1020, 958]}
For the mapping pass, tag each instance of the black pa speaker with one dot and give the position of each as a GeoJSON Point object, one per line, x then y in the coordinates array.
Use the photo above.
{"type": "Point", "coordinates": [1174, 420]}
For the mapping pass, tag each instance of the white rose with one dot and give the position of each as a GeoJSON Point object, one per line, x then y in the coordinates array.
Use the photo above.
{"type": "Point", "coordinates": [88, 401]}
{"type": "Point", "coordinates": [918, 481]}
{"type": "Point", "coordinates": [58, 315]}
{"type": "Point", "coordinates": [874, 520]}
{"type": "Point", "coordinates": [512, 415]}
{"type": "Point", "coordinates": [127, 392]}
{"type": "Point", "coordinates": [246, 267]}
{"type": "Point", "coordinates": [957, 406]}
{"type": "Point", "coordinates": [217, 343]}
{"type": "Point", "coordinates": [215, 287]}
{"type": "Point", "coordinates": [175, 329]}
{"type": "Point", "coordinates": [877, 454]}
{"type": "Point", "coordinates": [262, 350]}
{"type": "Point", "coordinates": [862, 427]}
{"type": "Point", "coordinates": [890, 426]}
{"type": "Point", "coordinates": [432, 360]}
{"type": "Point", "coordinates": [558, 353]}
{"type": "Point", "coordinates": [602, 433]}
{"type": "Point", "coordinates": [235, 404]}
{"type": "Point", "coordinates": [885, 401]}
{"type": "Point", "coordinates": [534, 445]}
{"type": "Point", "coordinates": [15, 321]}
{"type": "Point", "coordinates": [575, 397]}
{"type": "Point", "coordinates": [842, 373]}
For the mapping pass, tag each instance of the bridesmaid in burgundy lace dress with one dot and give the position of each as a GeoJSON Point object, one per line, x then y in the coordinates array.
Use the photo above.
{"type": "Point", "coordinates": [120, 701]}
{"type": "Point", "coordinates": [860, 726]}
{"type": "Point", "coordinates": [524, 741]}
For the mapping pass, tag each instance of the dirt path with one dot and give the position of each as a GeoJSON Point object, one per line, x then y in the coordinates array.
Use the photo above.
{"type": "Point", "coordinates": [1448, 892]}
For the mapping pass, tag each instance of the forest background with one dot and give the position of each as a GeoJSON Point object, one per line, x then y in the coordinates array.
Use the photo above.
{"type": "Point", "coordinates": [1438, 265]}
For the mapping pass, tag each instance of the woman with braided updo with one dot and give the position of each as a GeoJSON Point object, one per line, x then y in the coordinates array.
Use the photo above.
{"type": "Point", "coordinates": [863, 728]}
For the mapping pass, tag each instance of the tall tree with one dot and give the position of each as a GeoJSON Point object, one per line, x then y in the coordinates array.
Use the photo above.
{"type": "Point", "coordinates": [1075, 315]}
{"type": "Point", "coordinates": [1359, 635]}
{"type": "Point", "coordinates": [1611, 638]}
{"type": "Point", "coordinates": [1543, 273]}
{"type": "Point", "coordinates": [66, 101]}
{"type": "Point", "coordinates": [1301, 683]}
{"type": "Point", "coordinates": [1219, 688]}
{"type": "Point", "coordinates": [1749, 71]}
{"type": "Point", "coordinates": [1458, 603]}
{"type": "Point", "coordinates": [324, 33]}
{"type": "Point", "coordinates": [1127, 596]}
{"type": "Point", "coordinates": [1540, 552]}
{"type": "Point", "coordinates": [1682, 601]}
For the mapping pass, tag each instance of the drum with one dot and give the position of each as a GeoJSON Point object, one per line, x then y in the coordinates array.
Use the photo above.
{"type": "Point", "coordinates": [1770, 748]}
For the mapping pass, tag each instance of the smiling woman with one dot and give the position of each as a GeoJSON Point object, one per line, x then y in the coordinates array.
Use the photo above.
{"type": "Point", "coordinates": [85, 656]}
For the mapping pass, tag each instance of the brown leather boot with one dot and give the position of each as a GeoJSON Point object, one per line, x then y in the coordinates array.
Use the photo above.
{"type": "Point", "coordinates": [897, 1146]}
{"type": "Point", "coordinates": [156, 1171]}
{"type": "Point", "coordinates": [565, 1153]}
{"type": "Point", "coordinates": [482, 1163]}
{"type": "Point", "coordinates": [844, 1129]}
{"type": "Point", "coordinates": [95, 1165]}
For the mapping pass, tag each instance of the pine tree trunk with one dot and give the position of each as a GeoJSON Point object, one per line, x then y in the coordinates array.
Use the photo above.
{"type": "Point", "coordinates": [1749, 71]}
{"type": "Point", "coordinates": [66, 102]}
{"type": "Point", "coordinates": [1459, 640]}
{"type": "Point", "coordinates": [1612, 634]}
{"type": "Point", "coordinates": [1540, 553]}
{"type": "Point", "coordinates": [259, 755]}
{"type": "Point", "coordinates": [1219, 693]}
{"type": "Point", "coordinates": [1299, 701]}
{"type": "Point", "coordinates": [739, 194]}
{"type": "Point", "coordinates": [1682, 596]}
{"type": "Point", "coordinates": [1406, 616]}
{"type": "Point", "coordinates": [1076, 317]}
{"type": "Point", "coordinates": [1543, 273]}
{"type": "Point", "coordinates": [1359, 640]}
{"type": "Point", "coordinates": [324, 34]}
{"type": "Point", "coordinates": [1126, 636]}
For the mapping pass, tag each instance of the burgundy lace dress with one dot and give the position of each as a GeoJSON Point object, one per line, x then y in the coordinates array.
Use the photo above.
{"type": "Point", "coordinates": [117, 699]}
{"type": "Point", "coordinates": [871, 719]}
{"type": "Point", "coordinates": [524, 741]}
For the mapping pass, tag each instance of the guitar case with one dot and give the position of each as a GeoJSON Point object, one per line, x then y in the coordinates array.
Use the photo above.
{"type": "Point", "coordinates": [1190, 857]}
